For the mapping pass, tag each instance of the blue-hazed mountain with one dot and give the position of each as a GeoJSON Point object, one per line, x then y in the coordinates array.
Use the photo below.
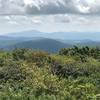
{"type": "Point", "coordinates": [45, 44]}
{"type": "Point", "coordinates": [26, 34]}
{"type": "Point", "coordinates": [50, 42]}
{"type": "Point", "coordinates": [6, 41]}
{"type": "Point", "coordinates": [89, 43]}
{"type": "Point", "coordinates": [59, 35]}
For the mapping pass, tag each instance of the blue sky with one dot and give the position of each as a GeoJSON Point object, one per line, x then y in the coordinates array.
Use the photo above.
{"type": "Point", "coordinates": [49, 15]}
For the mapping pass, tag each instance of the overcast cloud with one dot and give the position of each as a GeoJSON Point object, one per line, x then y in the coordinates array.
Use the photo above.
{"type": "Point", "coordinates": [49, 15]}
{"type": "Point", "coordinates": [21, 7]}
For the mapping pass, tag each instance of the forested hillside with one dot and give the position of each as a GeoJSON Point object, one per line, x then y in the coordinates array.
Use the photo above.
{"type": "Point", "coordinates": [70, 74]}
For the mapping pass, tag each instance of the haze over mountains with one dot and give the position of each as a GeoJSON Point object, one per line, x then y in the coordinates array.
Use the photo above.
{"type": "Point", "coordinates": [58, 35]}
{"type": "Point", "coordinates": [50, 42]}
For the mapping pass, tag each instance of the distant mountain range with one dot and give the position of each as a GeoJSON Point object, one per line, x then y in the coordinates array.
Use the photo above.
{"type": "Point", "coordinates": [45, 44]}
{"type": "Point", "coordinates": [58, 35]}
{"type": "Point", "coordinates": [38, 43]}
{"type": "Point", "coordinates": [50, 42]}
{"type": "Point", "coordinates": [90, 43]}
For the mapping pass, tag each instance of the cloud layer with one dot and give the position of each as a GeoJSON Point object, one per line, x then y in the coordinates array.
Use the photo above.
{"type": "Point", "coordinates": [49, 15]}
{"type": "Point", "coordinates": [52, 7]}
{"type": "Point", "coordinates": [33, 7]}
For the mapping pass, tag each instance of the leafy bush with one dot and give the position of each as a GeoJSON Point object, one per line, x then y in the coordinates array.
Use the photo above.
{"type": "Point", "coordinates": [73, 74]}
{"type": "Point", "coordinates": [12, 70]}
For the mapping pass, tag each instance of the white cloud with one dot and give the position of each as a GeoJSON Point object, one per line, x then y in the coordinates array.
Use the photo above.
{"type": "Point", "coordinates": [50, 23]}
{"type": "Point", "coordinates": [11, 7]}
{"type": "Point", "coordinates": [38, 7]}
{"type": "Point", "coordinates": [25, 7]}
{"type": "Point", "coordinates": [50, 15]}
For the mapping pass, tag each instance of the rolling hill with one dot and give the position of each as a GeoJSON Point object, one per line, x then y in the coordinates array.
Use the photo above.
{"type": "Point", "coordinates": [45, 44]}
{"type": "Point", "coordinates": [50, 42]}
{"type": "Point", "coordinates": [58, 35]}
{"type": "Point", "coordinates": [89, 43]}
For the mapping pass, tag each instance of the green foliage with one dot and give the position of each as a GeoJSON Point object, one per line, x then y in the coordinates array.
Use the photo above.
{"type": "Point", "coordinates": [18, 54]}
{"type": "Point", "coordinates": [81, 53]}
{"type": "Point", "coordinates": [73, 74]}
{"type": "Point", "coordinates": [12, 70]}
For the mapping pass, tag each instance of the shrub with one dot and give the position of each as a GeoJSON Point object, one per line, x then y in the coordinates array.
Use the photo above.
{"type": "Point", "coordinates": [12, 70]}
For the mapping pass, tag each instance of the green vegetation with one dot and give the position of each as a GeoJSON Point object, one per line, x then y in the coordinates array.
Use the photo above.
{"type": "Point", "coordinates": [71, 74]}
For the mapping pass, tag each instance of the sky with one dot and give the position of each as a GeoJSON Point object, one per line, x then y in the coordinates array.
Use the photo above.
{"type": "Point", "coordinates": [49, 15]}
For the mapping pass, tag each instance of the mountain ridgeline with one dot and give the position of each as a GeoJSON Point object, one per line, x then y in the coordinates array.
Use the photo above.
{"type": "Point", "coordinates": [50, 42]}
{"type": "Point", "coordinates": [48, 45]}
